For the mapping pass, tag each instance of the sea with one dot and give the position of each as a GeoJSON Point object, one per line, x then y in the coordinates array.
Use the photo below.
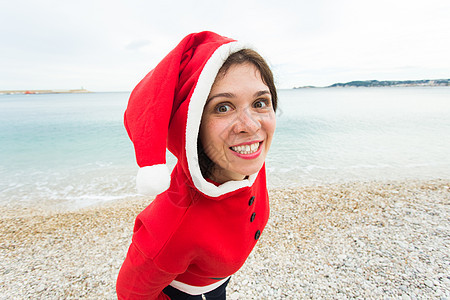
{"type": "Point", "coordinates": [69, 151]}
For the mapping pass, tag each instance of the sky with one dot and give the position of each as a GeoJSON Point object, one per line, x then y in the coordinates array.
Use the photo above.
{"type": "Point", "coordinates": [111, 45]}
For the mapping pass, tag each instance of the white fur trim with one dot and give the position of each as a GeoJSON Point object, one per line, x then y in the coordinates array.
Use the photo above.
{"type": "Point", "coordinates": [153, 180]}
{"type": "Point", "coordinates": [196, 290]}
{"type": "Point", "coordinates": [198, 100]}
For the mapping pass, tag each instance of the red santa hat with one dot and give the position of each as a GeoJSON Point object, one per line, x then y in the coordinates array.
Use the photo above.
{"type": "Point", "coordinates": [165, 110]}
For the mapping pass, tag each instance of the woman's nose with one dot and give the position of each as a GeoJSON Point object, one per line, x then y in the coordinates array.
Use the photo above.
{"type": "Point", "coordinates": [246, 122]}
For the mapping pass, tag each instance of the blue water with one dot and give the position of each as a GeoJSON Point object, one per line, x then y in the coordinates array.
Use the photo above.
{"type": "Point", "coordinates": [335, 135]}
{"type": "Point", "coordinates": [71, 150]}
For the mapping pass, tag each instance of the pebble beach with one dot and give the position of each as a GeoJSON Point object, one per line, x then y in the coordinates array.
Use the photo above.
{"type": "Point", "coordinates": [363, 240]}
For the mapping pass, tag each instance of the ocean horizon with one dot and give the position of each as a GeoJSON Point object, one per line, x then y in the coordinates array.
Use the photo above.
{"type": "Point", "coordinates": [71, 150]}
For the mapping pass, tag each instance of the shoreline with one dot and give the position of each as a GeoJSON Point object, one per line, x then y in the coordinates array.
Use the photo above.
{"type": "Point", "coordinates": [38, 92]}
{"type": "Point", "coordinates": [337, 241]}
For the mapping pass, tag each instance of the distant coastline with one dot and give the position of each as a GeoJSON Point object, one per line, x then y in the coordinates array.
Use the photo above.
{"type": "Point", "coordinates": [33, 92]}
{"type": "Point", "coordinates": [387, 83]}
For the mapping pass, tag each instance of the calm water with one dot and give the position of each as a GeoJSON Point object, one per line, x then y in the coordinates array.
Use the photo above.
{"type": "Point", "coordinates": [67, 151]}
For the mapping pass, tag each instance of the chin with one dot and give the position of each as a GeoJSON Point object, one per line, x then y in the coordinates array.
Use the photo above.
{"type": "Point", "coordinates": [249, 170]}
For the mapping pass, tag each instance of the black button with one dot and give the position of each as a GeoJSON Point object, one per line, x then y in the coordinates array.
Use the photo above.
{"type": "Point", "coordinates": [252, 217]}
{"type": "Point", "coordinates": [257, 234]}
{"type": "Point", "coordinates": [250, 202]}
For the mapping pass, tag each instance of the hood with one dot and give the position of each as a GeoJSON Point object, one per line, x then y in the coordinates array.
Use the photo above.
{"type": "Point", "coordinates": [165, 111]}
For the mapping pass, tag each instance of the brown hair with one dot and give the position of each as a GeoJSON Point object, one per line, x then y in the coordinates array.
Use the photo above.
{"type": "Point", "coordinates": [237, 58]}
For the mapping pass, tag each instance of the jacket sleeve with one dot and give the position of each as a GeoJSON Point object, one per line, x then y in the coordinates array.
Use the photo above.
{"type": "Point", "coordinates": [140, 278]}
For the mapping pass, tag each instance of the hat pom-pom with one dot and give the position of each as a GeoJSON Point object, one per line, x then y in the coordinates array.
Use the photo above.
{"type": "Point", "coordinates": [153, 180]}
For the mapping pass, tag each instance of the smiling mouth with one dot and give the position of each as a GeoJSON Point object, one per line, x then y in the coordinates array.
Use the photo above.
{"type": "Point", "coordinates": [246, 149]}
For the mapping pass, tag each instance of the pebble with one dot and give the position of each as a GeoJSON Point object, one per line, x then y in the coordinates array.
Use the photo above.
{"type": "Point", "coordinates": [429, 283]}
{"type": "Point", "coordinates": [369, 240]}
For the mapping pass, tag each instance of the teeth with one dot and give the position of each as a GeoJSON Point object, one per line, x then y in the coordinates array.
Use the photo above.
{"type": "Point", "coordinates": [246, 149]}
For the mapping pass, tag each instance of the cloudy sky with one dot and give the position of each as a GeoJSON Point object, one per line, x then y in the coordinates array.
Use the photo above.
{"type": "Point", "coordinates": [110, 45]}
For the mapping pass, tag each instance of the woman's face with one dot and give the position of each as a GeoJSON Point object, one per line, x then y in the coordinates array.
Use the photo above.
{"type": "Point", "coordinates": [238, 123]}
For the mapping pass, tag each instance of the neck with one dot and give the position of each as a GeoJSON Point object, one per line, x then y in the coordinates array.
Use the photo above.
{"type": "Point", "coordinates": [221, 176]}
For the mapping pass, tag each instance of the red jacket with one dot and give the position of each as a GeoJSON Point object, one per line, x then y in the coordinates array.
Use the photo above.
{"type": "Point", "coordinates": [186, 236]}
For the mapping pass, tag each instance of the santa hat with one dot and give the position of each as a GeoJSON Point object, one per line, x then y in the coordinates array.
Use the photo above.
{"type": "Point", "coordinates": [165, 110]}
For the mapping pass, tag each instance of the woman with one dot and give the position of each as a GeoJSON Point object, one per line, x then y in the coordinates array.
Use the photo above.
{"type": "Point", "coordinates": [212, 102]}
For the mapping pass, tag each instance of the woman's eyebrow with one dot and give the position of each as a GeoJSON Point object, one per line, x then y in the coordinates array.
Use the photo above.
{"type": "Point", "coordinates": [224, 95]}
{"type": "Point", "coordinates": [261, 93]}
{"type": "Point", "coordinates": [231, 95]}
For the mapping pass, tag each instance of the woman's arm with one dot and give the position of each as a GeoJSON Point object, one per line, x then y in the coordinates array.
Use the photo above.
{"type": "Point", "coordinates": [140, 278]}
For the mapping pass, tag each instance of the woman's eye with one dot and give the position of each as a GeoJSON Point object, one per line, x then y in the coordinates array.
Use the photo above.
{"type": "Point", "coordinates": [223, 108]}
{"type": "Point", "coordinates": [260, 104]}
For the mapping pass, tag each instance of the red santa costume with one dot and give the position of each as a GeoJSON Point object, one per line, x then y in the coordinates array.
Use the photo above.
{"type": "Point", "coordinates": [195, 233]}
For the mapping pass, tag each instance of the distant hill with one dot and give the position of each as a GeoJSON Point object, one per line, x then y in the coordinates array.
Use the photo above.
{"type": "Point", "coordinates": [389, 83]}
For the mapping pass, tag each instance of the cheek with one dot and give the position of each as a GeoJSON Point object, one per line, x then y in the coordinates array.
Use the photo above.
{"type": "Point", "coordinates": [269, 125]}
{"type": "Point", "coordinates": [212, 137]}
{"type": "Point", "coordinates": [212, 134]}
